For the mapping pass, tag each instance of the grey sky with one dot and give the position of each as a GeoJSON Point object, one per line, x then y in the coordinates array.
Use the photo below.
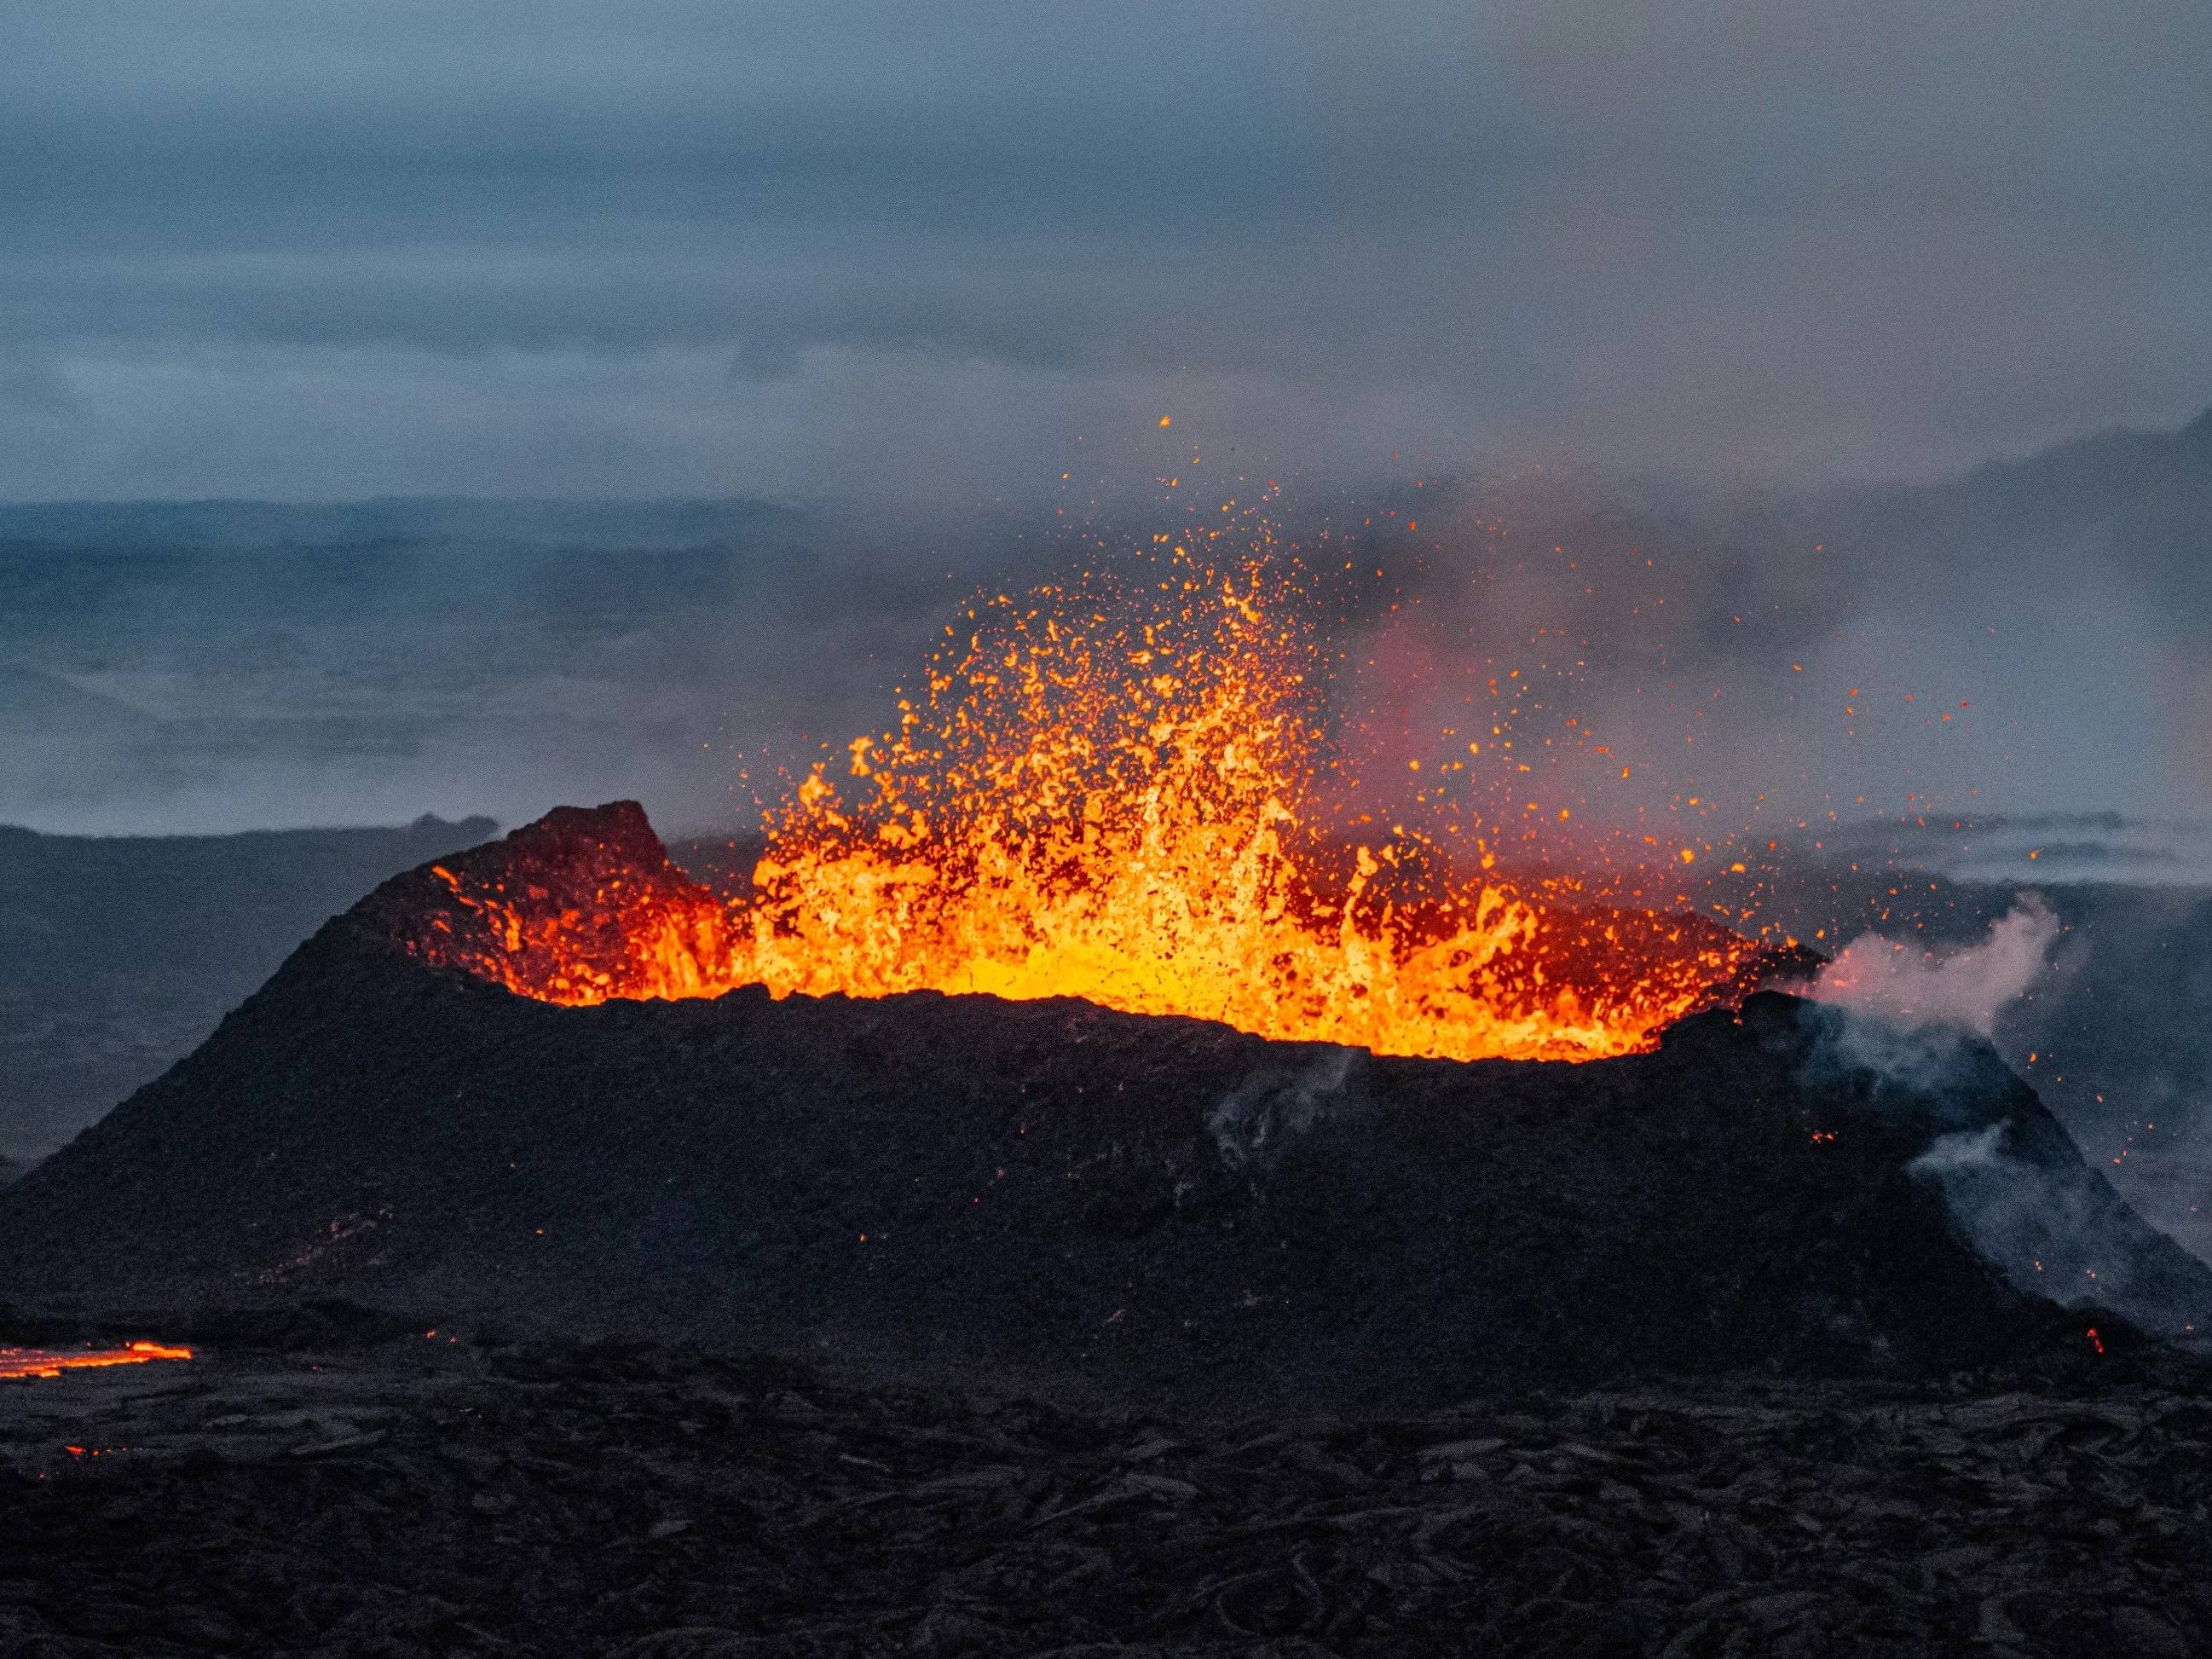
{"type": "Point", "coordinates": [914, 253]}
{"type": "Point", "coordinates": [898, 268]}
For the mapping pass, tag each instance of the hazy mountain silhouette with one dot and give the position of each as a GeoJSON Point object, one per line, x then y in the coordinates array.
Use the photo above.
{"type": "Point", "coordinates": [118, 955]}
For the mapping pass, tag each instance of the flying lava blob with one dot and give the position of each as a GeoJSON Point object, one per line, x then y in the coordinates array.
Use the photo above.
{"type": "Point", "coordinates": [1105, 790]}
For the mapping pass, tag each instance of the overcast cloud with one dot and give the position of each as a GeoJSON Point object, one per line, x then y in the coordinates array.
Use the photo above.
{"type": "Point", "coordinates": [1658, 286]}
{"type": "Point", "coordinates": [908, 253]}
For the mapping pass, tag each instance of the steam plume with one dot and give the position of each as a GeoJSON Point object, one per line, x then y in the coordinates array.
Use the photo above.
{"type": "Point", "coordinates": [1965, 988]}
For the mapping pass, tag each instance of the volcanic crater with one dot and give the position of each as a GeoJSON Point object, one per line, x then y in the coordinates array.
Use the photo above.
{"type": "Point", "coordinates": [922, 1185]}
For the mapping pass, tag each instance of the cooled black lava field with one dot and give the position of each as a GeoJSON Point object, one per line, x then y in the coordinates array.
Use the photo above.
{"type": "Point", "coordinates": [418, 1496]}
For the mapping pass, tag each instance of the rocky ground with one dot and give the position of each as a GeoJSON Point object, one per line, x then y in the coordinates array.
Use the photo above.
{"type": "Point", "coordinates": [424, 1495]}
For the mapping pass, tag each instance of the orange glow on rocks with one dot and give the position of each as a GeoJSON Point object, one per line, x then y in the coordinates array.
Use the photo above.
{"type": "Point", "coordinates": [52, 1362]}
{"type": "Point", "coordinates": [1108, 791]}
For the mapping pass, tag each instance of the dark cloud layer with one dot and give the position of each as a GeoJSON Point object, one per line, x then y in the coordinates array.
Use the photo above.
{"type": "Point", "coordinates": [910, 252]}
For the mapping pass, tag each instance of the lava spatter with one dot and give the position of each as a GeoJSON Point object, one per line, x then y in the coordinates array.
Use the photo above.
{"type": "Point", "coordinates": [1103, 790]}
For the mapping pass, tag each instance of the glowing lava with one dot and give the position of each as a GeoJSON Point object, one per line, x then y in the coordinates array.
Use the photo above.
{"type": "Point", "coordinates": [52, 1362]}
{"type": "Point", "coordinates": [1107, 792]}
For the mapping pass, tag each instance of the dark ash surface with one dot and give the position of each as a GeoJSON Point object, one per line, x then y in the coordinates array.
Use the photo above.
{"type": "Point", "coordinates": [425, 1497]}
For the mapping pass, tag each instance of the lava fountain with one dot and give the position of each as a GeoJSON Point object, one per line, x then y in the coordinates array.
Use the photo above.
{"type": "Point", "coordinates": [1106, 790]}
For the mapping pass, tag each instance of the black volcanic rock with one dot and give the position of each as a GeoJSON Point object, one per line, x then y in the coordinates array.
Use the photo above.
{"type": "Point", "coordinates": [1055, 1190]}
{"type": "Point", "coordinates": [419, 1500]}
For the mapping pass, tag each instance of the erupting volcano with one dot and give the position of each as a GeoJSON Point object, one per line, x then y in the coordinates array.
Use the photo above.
{"type": "Point", "coordinates": [1110, 790]}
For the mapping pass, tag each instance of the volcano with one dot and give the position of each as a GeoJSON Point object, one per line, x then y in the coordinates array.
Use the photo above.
{"type": "Point", "coordinates": [964, 1184]}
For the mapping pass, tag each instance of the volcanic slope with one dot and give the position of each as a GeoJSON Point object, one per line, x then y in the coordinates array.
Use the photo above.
{"type": "Point", "coordinates": [1050, 1192]}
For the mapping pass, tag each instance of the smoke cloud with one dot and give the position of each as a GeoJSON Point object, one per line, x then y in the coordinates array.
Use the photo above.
{"type": "Point", "coordinates": [1965, 988]}
{"type": "Point", "coordinates": [2057, 1230]}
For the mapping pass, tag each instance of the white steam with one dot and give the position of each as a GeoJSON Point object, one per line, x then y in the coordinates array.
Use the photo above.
{"type": "Point", "coordinates": [1964, 987]}
{"type": "Point", "coordinates": [1260, 1118]}
{"type": "Point", "coordinates": [2056, 1230]}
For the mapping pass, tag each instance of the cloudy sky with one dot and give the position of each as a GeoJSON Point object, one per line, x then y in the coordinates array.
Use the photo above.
{"type": "Point", "coordinates": [930, 252]}
{"type": "Point", "coordinates": [892, 293]}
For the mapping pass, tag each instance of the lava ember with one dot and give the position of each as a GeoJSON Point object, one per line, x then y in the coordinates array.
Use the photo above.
{"type": "Point", "coordinates": [1110, 790]}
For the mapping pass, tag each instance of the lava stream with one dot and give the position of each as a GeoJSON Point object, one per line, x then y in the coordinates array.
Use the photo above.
{"type": "Point", "coordinates": [52, 1362]}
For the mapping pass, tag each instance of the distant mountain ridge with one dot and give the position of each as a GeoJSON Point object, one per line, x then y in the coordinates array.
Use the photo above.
{"type": "Point", "coordinates": [253, 524]}
{"type": "Point", "coordinates": [117, 954]}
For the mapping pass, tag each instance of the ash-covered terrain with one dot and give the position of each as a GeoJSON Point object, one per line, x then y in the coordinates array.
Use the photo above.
{"type": "Point", "coordinates": [419, 1496]}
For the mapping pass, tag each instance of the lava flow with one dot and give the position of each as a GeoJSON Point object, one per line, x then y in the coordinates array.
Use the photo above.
{"type": "Point", "coordinates": [1108, 791]}
{"type": "Point", "coordinates": [52, 1362]}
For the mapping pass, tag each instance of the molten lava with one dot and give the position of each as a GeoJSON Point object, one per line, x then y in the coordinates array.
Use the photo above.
{"type": "Point", "coordinates": [1106, 792]}
{"type": "Point", "coordinates": [52, 1362]}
